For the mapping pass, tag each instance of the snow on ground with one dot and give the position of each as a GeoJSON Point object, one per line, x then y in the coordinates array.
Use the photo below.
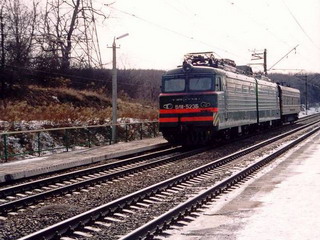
{"type": "Point", "coordinates": [291, 210]}
{"type": "Point", "coordinates": [54, 143]}
{"type": "Point", "coordinates": [310, 111]}
{"type": "Point", "coordinates": [30, 160]}
{"type": "Point", "coordinates": [280, 202]}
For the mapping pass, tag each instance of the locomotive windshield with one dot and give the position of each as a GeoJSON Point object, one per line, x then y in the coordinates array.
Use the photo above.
{"type": "Point", "coordinates": [192, 84]}
{"type": "Point", "coordinates": [200, 84]}
{"type": "Point", "coordinates": [174, 85]}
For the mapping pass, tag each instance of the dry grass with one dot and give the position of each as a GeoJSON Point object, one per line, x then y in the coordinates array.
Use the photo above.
{"type": "Point", "coordinates": [137, 110]}
{"type": "Point", "coordinates": [90, 108]}
{"type": "Point", "coordinates": [54, 112]}
{"type": "Point", "coordinates": [77, 94]}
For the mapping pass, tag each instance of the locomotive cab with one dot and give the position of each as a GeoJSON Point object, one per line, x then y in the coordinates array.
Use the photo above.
{"type": "Point", "coordinates": [188, 111]}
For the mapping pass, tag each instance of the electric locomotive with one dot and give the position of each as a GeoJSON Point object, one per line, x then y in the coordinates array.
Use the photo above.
{"type": "Point", "coordinates": [208, 98]}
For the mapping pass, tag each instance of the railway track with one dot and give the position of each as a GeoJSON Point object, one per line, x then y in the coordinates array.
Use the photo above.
{"type": "Point", "coordinates": [171, 217]}
{"type": "Point", "coordinates": [91, 221]}
{"type": "Point", "coordinates": [308, 117]}
{"type": "Point", "coordinates": [19, 196]}
{"type": "Point", "coordinates": [22, 195]}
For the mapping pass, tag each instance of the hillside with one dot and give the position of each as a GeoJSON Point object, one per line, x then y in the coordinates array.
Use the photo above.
{"type": "Point", "coordinates": [66, 106]}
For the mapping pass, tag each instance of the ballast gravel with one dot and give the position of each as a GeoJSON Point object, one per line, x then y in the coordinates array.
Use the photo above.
{"type": "Point", "coordinates": [54, 210]}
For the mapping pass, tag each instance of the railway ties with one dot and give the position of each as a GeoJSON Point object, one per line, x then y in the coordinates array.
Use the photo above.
{"type": "Point", "coordinates": [183, 188]}
{"type": "Point", "coordinates": [179, 213]}
{"type": "Point", "coordinates": [15, 197]}
{"type": "Point", "coordinates": [144, 200]}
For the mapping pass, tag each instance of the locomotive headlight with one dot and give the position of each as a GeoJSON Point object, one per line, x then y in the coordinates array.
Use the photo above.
{"type": "Point", "coordinates": [168, 106]}
{"type": "Point", "coordinates": [205, 104]}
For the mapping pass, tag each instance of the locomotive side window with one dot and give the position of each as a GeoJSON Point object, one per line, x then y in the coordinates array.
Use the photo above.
{"type": "Point", "coordinates": [245, 88]}
{"type": "Point", "coordinates": [231, 86]}
{"type": "Point", "coordinates": [174, 85]}
{"type": "Point", "coordinates": [238, 88]}
{"type": "Point", "coordinates": [219, 86]}
{"type": "Point", "coordinates": [200, 84]}
{"type": "Point", "coordinates": [252, 89]}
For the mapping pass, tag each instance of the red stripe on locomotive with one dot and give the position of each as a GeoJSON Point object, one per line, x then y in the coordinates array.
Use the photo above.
{"type": "Point", "coordinates": [196, 110]}
{"type": "Point", "coordinates": [162, 120]}
{"type": "Point", "coordinates": [197, 119]}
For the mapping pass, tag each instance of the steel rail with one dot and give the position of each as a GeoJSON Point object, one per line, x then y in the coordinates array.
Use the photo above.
{"type": "Point", "coordinates": [23, 202]}
{"type": "Point", "coordinates": [161, 223]}
{"type": "Point", "coordinates": [4, 192]}
{"type": "Point", "coordinates": [308, 117]}
{"type": "Point", "coordinates": [92, 215]}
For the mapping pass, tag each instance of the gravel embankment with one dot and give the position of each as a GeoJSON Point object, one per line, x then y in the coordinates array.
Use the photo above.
{"type": "Point", "coordinates": [56, 209]}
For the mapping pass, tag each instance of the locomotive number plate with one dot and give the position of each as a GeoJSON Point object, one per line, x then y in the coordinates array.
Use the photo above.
{"type": "Point", "coordinates": [186, 106]}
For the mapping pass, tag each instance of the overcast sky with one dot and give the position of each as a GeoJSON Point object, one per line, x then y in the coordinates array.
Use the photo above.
{"type": "Point", "coordinates": [162, 31]}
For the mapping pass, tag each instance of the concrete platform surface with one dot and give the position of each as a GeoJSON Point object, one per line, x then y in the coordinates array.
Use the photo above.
{"type": "Point", "coordinates": [282, 202]}
{"type": "Point", "coordinates": [35, 166]}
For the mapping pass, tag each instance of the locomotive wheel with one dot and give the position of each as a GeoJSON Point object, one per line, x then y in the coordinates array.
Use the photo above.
{"type": "Point", "coordinates": [245, 130]}
{"type": "Point", "coordinates": [173, 139]}
{"type": "Point", "coordinates": [198, 138]}
{"type": "Point", "coordinates": [227, 134]}
{"type": "Point", "coordinates": [192, 139]}
{"type": "Point", "coordinates": [205, 138]}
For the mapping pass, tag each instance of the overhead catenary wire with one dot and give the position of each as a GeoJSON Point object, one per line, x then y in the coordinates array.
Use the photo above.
{"type": "Point", "coordinates": [255, 21]}
{"type": "Point", "coordinates": [300, 26]}
{"type": "Point", "coordinates": [283, 57]}
{"type": "Point", "coordinates": [258, 23]}
{"type": "Point", "coordinates": [194, 38]}
{"type": "Point", "coordinates": [178, 10]}
{"type": "Point", "coordinates": [171, 30]}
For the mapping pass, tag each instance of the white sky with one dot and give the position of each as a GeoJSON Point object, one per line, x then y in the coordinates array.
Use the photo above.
{"type": "Point", "coordinates": [162, 31]}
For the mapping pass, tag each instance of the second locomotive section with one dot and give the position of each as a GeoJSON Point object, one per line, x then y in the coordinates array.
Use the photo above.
{"type": "Point", "coordinates": [202, 103]}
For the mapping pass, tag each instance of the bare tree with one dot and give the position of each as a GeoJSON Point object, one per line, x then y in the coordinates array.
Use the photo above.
{"type": "Point", "coordinates": [2, 39]}
{"type": "Point", "coordinates": [20, 26]}
{"type": "Point", "coordinates": [3, 81]}
{"type": "Point", "coordinates": [69, 32]}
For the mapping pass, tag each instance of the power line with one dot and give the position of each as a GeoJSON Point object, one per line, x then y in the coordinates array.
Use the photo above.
{"type": "Point", "coordinates": [248, 15]}
{"type": "Point", "coordinates": [171, 30]}
{"type": "Point", "coordinates": [183, 4]}
{"type": "Point", "coordinates": [265, 28]}
{"type": "Point", "coordinates": [300, 26]}
{"type": "Point", "coordinates": [178, 10]}
{"type": "Point", "coordinates": [283, 57]}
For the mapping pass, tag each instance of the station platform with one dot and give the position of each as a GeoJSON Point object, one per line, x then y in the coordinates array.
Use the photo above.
{"type": "Point", "coordinates": [280, 202]}
{"type": "Point", "coordinates": [39, 165]}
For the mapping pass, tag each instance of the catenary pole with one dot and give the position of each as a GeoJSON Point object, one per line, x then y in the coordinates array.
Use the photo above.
{"type": "Point", "coordinates": [114, 91]}
{"type": "Point", "coordinates": [115, 88]}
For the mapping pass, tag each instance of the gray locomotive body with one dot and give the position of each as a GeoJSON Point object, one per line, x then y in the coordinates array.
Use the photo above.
{"type": "Point", "coordinates": [202, 101]}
